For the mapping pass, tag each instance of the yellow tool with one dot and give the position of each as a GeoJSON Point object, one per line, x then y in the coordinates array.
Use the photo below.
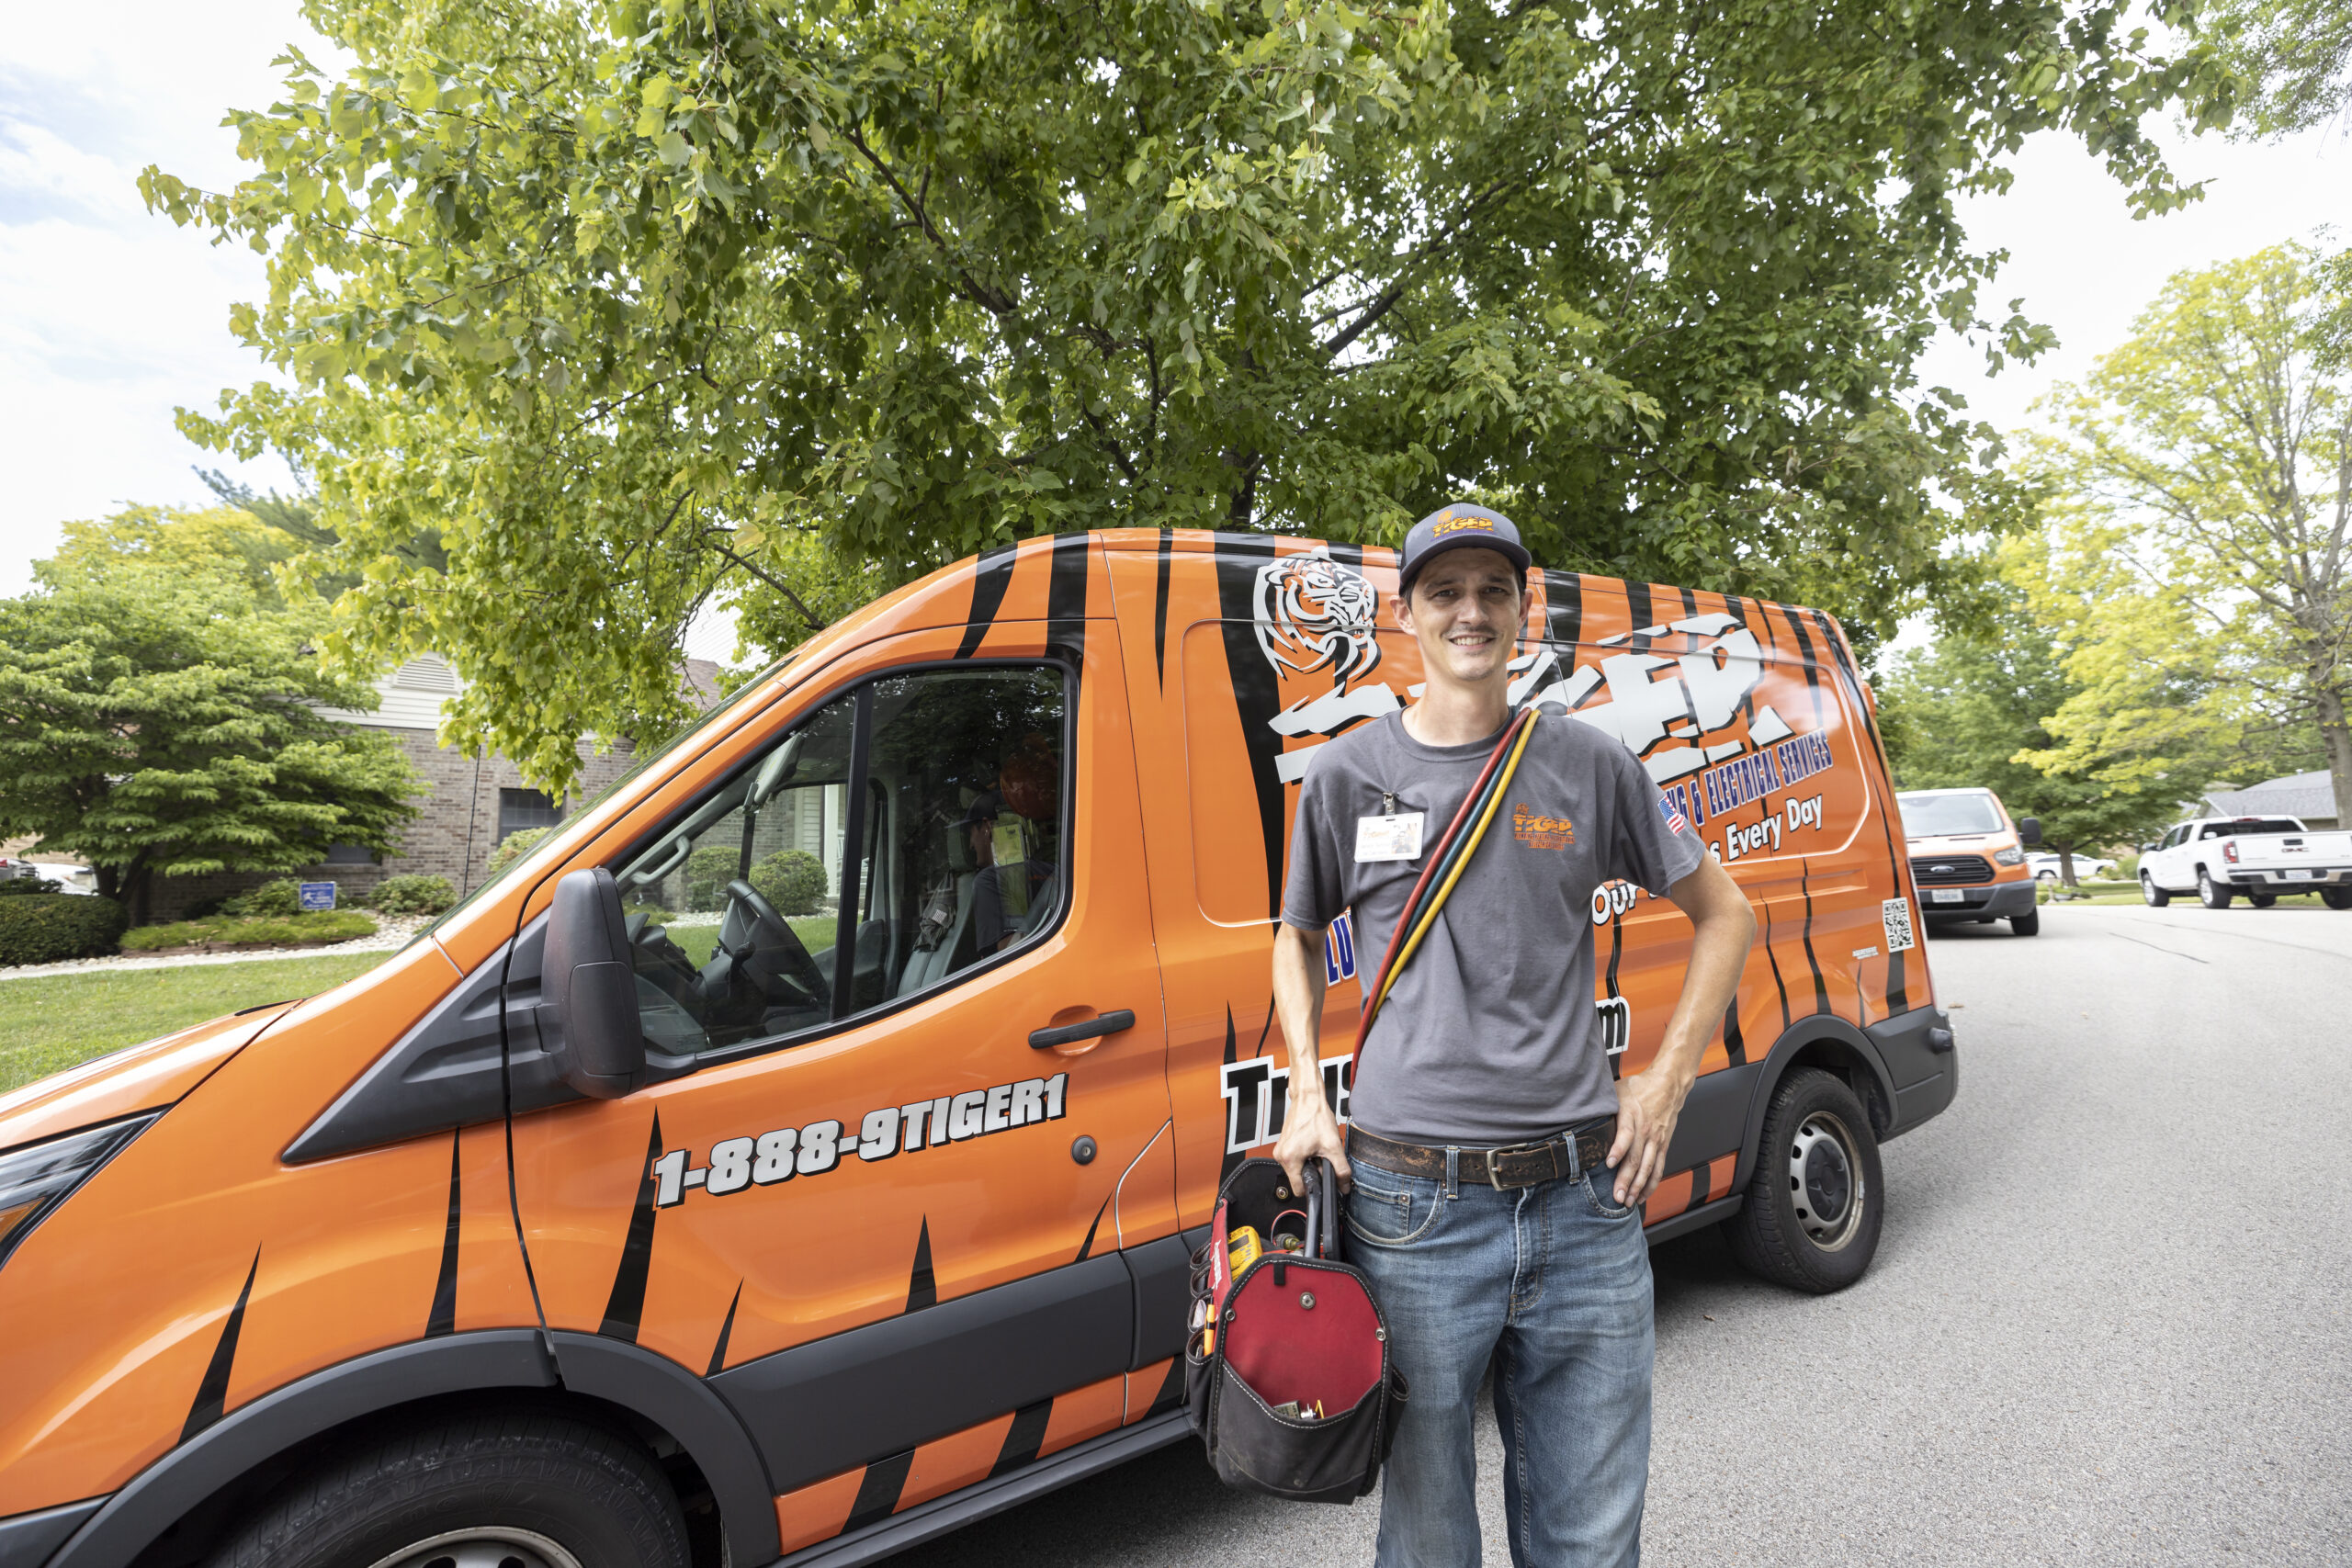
{"type": "Point", "coordinates": [1243, 1248]}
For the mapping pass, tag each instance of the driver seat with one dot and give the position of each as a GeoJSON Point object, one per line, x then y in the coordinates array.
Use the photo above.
{"type": "Point", "coordinates": [927, 966]}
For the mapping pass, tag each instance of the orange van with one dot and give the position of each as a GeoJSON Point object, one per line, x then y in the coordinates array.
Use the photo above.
{"type": "Point", "coordinates": [800, 1152]}
{"type": "Point", "coordinates": [1968, 858]}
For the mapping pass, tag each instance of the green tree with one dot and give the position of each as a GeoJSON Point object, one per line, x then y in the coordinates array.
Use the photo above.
{"type": "Point", "coordinates": [2201, 506]}
{"type": "Point", "coordinates": [629, 305]}
{"type": "Point", "coordinates": [1971, 712]}
{"type": "Point", "coordinates": [157, 711]}
{"type": "Point", "coordinates": [2296, 56]}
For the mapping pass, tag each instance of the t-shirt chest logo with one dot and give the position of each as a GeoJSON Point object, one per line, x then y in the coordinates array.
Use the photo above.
{"type": "Point", "coordinates": [1538, 830]}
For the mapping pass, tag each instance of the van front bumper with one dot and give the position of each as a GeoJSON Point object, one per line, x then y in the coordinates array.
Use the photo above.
{"type": "Point", "coordinates": [1985, 900]}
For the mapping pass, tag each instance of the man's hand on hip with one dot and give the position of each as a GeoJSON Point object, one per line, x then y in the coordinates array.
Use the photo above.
{"type": "Point", "coordinates": [1309, 1130]}
{"type": "Point", "coordinates": [1648, 1104]}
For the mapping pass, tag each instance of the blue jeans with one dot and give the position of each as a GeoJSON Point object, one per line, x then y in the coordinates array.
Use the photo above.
{"type": "Point", "coordinates": [1552, 1282]}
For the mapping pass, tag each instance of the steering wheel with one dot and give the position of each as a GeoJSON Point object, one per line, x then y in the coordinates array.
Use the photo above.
{"type": "Point", "coordinates": [760, 920]}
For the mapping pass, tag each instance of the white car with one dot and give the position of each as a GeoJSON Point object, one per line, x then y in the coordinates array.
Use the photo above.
{"type": "Point", "coordinates": [2047, 866]}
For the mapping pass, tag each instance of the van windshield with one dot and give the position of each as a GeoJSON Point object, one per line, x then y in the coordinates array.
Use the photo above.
{"type": "Point", "coordinates": [1932, 816]}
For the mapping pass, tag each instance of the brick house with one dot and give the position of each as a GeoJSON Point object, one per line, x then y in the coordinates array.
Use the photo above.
{"type": "Point", "coordinates": [469, 804]}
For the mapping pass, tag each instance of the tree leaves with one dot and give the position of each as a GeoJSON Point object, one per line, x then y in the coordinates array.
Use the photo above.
{"type": "Point", "coordinates": [2200, 513]}
{"type": "Point", "coordinates": [583, 292]}
{"type": "Point", "coordinates": [157, 708]}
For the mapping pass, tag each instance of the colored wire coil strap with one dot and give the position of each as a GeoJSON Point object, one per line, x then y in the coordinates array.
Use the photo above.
{"type": "Point", "coordinates": [1459, 862]}
{"type": "Point", "coordinates": [1439, 856]}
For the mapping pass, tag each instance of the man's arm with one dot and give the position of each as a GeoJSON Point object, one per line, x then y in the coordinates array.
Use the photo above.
{"type": "Point", "coordinates": [1648, 1103]}
{"type": "Point", "coordinates": [1309, 1127]}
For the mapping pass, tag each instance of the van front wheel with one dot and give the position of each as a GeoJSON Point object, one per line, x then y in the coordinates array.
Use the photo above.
{"type": "Point", "coordinates": [483, 1491]}
{"type": "Point", "coordinates": [1816, 1202]}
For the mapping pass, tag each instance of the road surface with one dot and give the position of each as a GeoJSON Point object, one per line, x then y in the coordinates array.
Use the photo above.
{"type": "Point", "coordinates": [2109, 1321]}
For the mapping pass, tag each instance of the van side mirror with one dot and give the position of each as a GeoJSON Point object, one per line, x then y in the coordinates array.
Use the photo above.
{"type": "Point", "coordinates": [2028, 832]}
{"type": "Point", "coordinates": [588, 989]}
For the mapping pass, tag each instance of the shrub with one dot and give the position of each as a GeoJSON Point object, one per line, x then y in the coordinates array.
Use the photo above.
{"type": "Point", "coordinates": [414, 894]}
{"type": "Point", "coordinates": [792, 880]}
{"type": "Point", "coordinates": [709, 870]}
{"type": "Point", "coordinates": [654, 914]}
{"type": "Point", "coordinates": [514, 847]}
{"type": "Point", "coordinates": [283, 896]}
{"type": "Point", "coordinates": [19, 886]}
{"type": "Point", "coordinates": [52, 927]}
{"type": "Point", "coordinates": [271, 930]}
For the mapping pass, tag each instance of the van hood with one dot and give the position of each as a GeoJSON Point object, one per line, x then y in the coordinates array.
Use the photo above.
{"type": "Point", "coordinates": [138, 1078]}
{"type": "Point", "coordinates": [1958, 843]}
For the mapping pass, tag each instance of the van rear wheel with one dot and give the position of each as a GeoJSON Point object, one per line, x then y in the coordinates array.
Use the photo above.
{"type": "Point", "coordinates": [2209, 893]}
{"type": "Point", "coordinates": [1816, 1201]}
{"type": "Point", "coordinates": [2336, 897]}
{"type": "Point", "coordinates": [483, 1491]}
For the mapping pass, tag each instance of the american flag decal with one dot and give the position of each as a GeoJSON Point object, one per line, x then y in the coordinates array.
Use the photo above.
{"type": "Point", "coordinates": [1675, 821]}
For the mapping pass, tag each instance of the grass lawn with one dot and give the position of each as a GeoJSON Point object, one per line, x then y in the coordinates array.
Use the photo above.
{"type": "Point", "coordinates": [58, 1020]}
{"type": "Point", "coordinates": [815, 932]}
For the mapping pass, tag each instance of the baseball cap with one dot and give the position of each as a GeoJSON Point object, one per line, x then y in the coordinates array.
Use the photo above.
{"type": "Point", "coordinates": [1454, 527]}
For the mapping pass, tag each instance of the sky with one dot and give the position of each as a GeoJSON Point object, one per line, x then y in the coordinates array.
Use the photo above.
{"type": "Point", "coordinates": [109, 316]}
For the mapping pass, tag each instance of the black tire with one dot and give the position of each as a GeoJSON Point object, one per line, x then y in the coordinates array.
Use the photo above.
{"type": "Point", "coordinates": [2154, 896]}
{"type": "Point", "coordinates": [2336, 897]}
{"type": "Point", "coordinates": [1814, 1125]}
{"type": "Point", "coordinates": [509, 1486]}
{"type": "Point", "coordinates": [2209, 893]}
{"type": "Point", "coordinates": [2262, 900]}
{"type": "Point", "coordinates": [2026, 925]}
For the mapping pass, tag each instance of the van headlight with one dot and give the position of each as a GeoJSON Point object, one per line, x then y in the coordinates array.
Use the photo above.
{"type": "Point", "coordinates": [37, 1178]}
{"type": "Point", "coordinates": [2010, 856]}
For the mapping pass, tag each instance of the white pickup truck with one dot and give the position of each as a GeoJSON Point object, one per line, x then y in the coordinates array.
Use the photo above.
{"type": "Point", "coordinates": [2218, 857]}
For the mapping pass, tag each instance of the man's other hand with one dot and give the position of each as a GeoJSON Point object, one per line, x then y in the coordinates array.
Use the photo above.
{"type": "Point", "coordinates": [1310, 1130]}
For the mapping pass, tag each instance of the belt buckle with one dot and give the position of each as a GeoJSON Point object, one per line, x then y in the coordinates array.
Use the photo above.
{"type": "Point", "coordinates": [1494, 1162]}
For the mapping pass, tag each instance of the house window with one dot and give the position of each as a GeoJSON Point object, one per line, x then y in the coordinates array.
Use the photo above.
{"type": "Point", "coordinates": [350, 855]}
{"type": "Point", "coordinates": [521, 809]}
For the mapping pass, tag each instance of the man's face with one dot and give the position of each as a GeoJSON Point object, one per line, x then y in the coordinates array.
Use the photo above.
{"type": "Point", "coordinates": [1465, 612]}
{"type": "Point", "coordinates": [983, 842]}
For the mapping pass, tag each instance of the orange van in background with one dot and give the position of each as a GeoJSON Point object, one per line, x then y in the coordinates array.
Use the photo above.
{"type": "Point", "coordinates": [630, 1215]}
{"type": "Point", "coordinates": [1968, 858]}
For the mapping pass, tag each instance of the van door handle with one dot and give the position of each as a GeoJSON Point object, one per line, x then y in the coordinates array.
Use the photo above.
{"type": "Point", "coordinates": [1071, 1034]}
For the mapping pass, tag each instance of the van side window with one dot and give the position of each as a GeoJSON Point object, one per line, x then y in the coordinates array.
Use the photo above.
{"type": "Point", "coordinates": [734, 911]}
{"type": "Point", "coordinates": [729, 911]}
{"type": "Point", "coordinates": [970, 767]}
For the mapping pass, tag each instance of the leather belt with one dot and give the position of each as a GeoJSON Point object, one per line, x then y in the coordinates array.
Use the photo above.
{"type": "Point", "coordinates": [1513, 1165]}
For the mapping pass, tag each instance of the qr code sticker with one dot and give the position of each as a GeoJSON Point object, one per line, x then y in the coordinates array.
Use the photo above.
{"type": "Point", "coordinates": [1896, 913]}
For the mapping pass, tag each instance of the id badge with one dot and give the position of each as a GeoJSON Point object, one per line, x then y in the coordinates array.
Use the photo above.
{"type": "Point", "coordinates": [1388, 838]}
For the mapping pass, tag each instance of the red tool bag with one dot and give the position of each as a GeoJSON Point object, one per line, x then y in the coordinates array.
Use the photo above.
{"type": "Point", "coordinates": [1287, 1375]}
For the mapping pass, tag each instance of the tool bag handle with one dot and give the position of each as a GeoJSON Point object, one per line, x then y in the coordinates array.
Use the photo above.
{"type": "Point", "coordinates": [1422, 904]}
{"type": "Point", "coordinates": [1322, 1209]}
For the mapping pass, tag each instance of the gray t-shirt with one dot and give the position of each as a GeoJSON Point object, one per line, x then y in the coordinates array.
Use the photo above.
{"type": "Point", "coordinates": [1489, 1036]}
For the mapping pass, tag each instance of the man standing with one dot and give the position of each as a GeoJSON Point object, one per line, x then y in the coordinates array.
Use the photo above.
{"type": "Point", "coordinates": [1497, 1172]}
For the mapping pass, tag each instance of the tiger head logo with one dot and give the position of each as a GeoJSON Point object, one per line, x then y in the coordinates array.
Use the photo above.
{"type": "Point", "coordinates": [1313, 613]}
